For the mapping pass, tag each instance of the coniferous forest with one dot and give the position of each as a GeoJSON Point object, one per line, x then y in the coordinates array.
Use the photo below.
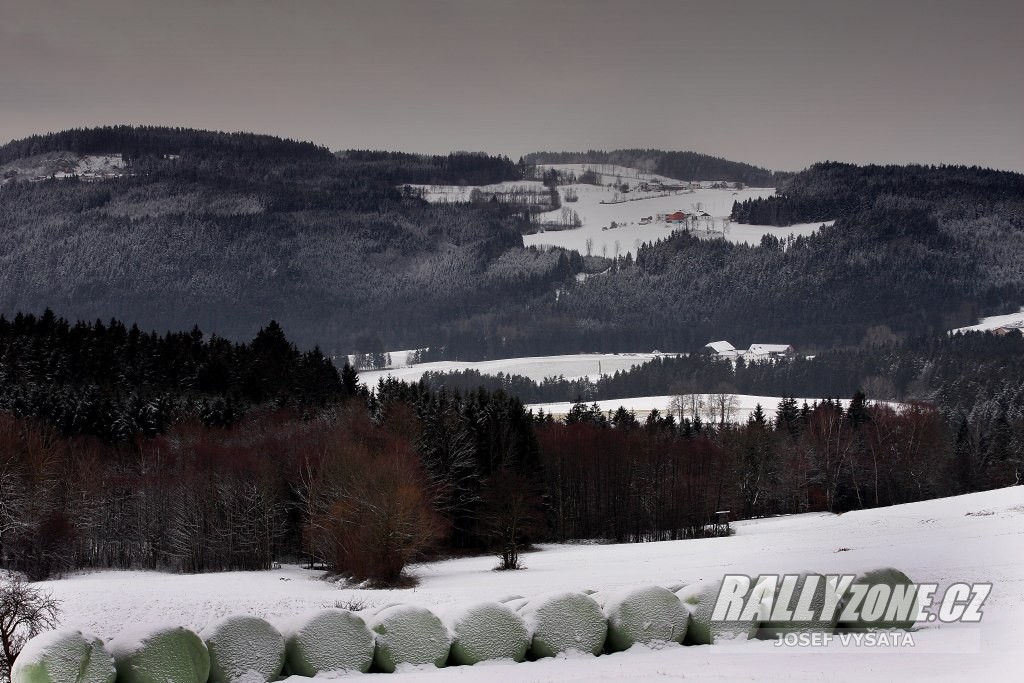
{"type": "Point", "coordinates": [122, 448]}
{"type": "Point", "coordinates": [174, 394]}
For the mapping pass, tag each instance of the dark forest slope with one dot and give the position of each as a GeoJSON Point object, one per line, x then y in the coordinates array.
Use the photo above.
{"type": "Point", "coordinates": [231, 230]}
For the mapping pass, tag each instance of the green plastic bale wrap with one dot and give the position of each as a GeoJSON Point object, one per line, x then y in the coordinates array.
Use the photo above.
{"type": "Point", "coordinates": [486, 631]}
{"type": "Point", "coordinates": [823, 605]}
{"type": "Point", "coordinates": [64, 656]}
{"type": "Point", "coordinates": [564, 622]}
{"type": "Point", "coordinates": [699, 599]}
{"type": "Point", "coordinates": [243, 649]}
{"type": "Point", "coordinates": [646, 615]}
{"type": "Point", "coordinates": [409, 635]}
{"type": "Point", "coordinates": [328, 642]}
{"type": "Point", "coordinates": [899, 588]}
{"type": "Point", "coordinates": [160, 654]}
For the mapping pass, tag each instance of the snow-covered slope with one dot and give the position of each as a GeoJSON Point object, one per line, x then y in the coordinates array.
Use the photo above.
{"type": "Point", "coordinates": [66, 164]}
{"type": "Point", "coordinates": [572, 366]}
{"type": "Point", "coordinates": [598, 206]}
{"type": "Point", "coordinates": [995, 322]}
{"type": "Point", "coordinates": [740, 408]}
{"type": "Point", "coordinates": [977, 537]}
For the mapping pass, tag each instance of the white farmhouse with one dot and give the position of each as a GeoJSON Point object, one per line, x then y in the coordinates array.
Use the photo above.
{"type": "Point", "coordinates": [722, 349]}
{"type": "Point", "coordinates": [768, 351]}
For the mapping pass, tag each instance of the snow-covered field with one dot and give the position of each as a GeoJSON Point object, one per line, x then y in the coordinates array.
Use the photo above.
{"type": "Point", "coordinates": [978, 537]}
{"type": "Point", "coordinates": [626, 215]}
{"type": "Point", "coordinates": [573, 366]}
{"type": "Point", "coordinates": [66, 164]}
{"type": "Point", "coordinates": [597, 217]}
{"type": "Point", "coordinates": [742, 406]}
{"type": "Point", "coordinates": [995, 322]}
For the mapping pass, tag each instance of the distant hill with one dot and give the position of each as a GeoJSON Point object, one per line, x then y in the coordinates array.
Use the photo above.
{"type": "Point", "coordinates": [177, 227]}
{"type": "Point", "coordinates": [461, 168]}
{"type": "Point", "coordinates": [230, 230]}
{"type": "Point", "coordinates": [830, 189]}
{"type": "Point", "coordinates": [678, 165]}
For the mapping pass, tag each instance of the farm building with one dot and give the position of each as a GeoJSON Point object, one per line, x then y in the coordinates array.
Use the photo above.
{"type": "Point", "coordinates": [767, 351]}
{"type": "Point", "coordinates": [722, 349]}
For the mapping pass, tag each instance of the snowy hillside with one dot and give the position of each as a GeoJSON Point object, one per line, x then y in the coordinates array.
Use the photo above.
{"type": "Point", "coordinates": [572, 366]}
{"type": "Point", "coordinates": [599, 206]}
{"type": "Point", "coordinates": [977, 537]}
{"type": "Point", "coordinates": [64, 165]}
{"type": "Point", "coordinates": [995, 322]}
{"type": "Point", "coordinates": [741, 407]}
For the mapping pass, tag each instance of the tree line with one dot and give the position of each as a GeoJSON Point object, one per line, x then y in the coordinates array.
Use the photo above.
{"type": "Point", "coordinates": [678, 165]}
{"type": "Point", "coordinates": [321, 470]}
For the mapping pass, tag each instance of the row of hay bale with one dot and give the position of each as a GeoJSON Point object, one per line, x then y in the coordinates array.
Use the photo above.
{"type": "Point", "coordinates": [247, 649]}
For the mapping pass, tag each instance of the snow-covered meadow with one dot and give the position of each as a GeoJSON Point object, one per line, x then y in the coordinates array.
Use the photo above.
{"type": "Point", "coordinates": [740, 408]}
{"type": "Point", "coordinates": [977, 537]}
{"type": "Point", "coordinates": [65, 165]}
{"type": "Point", "coordinates": [598, 206]}
{"type": "Point", "coordinates": [994, 322]}
{"type": "Point", "coordinates": [537, 368]}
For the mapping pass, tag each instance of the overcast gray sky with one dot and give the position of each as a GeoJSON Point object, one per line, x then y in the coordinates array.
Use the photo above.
{"type": "Point", "coordinates": [780, 84]}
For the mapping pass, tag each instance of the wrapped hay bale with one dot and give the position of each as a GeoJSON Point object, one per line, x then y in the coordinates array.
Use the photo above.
{"type": "Point", "coordinates": [564, 622]}
{"type": "Point", "coordinates": [645, 615]}
{"type": "Point", "coordinates": [243, 649]}
{"type": "Point", "coordinates": [160, 654]}
{"type": "Point", "coordinates": [825, 599]}
{"type": "Point", "coordinates": [330, 641]}
{"type": "Point", "coordinates": [898, 587]}
{"type": "Point", "coordinates": [485, 631]}
{"type": "Point", "coordinates": [64, 656]}
{"type": "Point", "coordinates": [699, 599]}
{"type": "Point", "coordinates": [407, 634]}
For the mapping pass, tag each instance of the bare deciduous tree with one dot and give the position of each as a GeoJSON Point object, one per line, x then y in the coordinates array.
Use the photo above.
{"type": "Point", "coordinates": [25, 612]}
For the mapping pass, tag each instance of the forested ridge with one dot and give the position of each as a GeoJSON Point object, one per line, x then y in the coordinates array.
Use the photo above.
{"type": "Point", "coordinates": [114, 382]}
{"type": "Point", "coordinates": [678, 165]}
{"type": "Point", "coordinates": [828, 190]}
{"type": "Point", "coordinates": [915, 251]}
{"type": "Point", "coordinates": [228, 231]}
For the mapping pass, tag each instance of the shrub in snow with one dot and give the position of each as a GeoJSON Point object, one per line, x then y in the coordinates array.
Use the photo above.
{"type": "Point", "coordinates": [487, 630]}
{"type": "Point", "coordinates": [898, 583]}
{"type": "Point", "coordinates": [243, 649]}
{"type": "Point", "coordinates": [645, 615]}
{"type": "Point", "coordinates": [564, 622]}
{"type": "Point", "coordinates": [160, 654]}
{"type": "Point", "coordinates": [699, 599]}
{"type": "Point", "coordinates": [407, 634]}
{"type": "Point", "coordinates": [824, 591]}
{"type": "Point", "coordinates": [326, 642]}
{"type": "Point", "coordinates": [64, 656]}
